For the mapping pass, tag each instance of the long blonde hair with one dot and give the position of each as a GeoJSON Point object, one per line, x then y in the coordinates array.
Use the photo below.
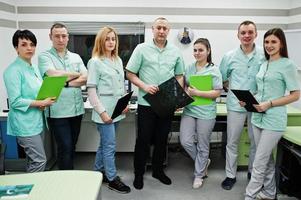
{"type": "Point", "coordinates": [99, 44]}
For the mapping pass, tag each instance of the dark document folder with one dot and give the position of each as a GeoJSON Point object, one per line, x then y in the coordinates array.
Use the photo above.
{"type": "Point", "coordinates": [169, 97]}
{"type": "Point", "coordinates": [247, 97]}
{"type": "Point", "coordinates": [121, 105]}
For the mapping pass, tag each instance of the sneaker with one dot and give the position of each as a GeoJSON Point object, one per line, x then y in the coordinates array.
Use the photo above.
{"type": "Point", "coordinates": [206, 168]}
{"type": "Point", "coordinates": [249, 175]}
{"type": "Point", "coordinates": [262, 196]}
{"type": "Point", "coordinates": [138, 182]}
{"type": "Point", "coordinates": [228, 183]}
{"type": "Point", "coordinates": [105, 179]}
{"type": "Point", "coordinates": [161, 176]}
{"type": "Point", "coordinates": [117, 185]}
{"type": "Point", "coordinates": [197, 183]}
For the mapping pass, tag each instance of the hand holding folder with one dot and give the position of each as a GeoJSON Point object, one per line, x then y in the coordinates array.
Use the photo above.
{"type": "Point", "coordinates": [202, 83]}
{"type": "Point", "coordinates": [121, 105]}
{"type": "Point", "coordinates": [51, 87]}
{"type": "Point", "coordinates": [170, 96]}
{"type": "Point", "coordinates": [247, 97]}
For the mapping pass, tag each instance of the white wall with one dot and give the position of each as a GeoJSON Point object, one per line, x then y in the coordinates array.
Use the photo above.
{"type": "Point", "coordinates": [221, 40]}
{"type": "Point", "coordinates": [283, 4]}
{"type": "Point", "coordinates": [294, 48]}
{"type": "Point", "coordinates": [295, 3]}
{"type": "Point", "coordinates": [219, 44]}
{"type": "Point", "coordinates": [7, 54]}
{"type": "Point", "coordinates": [298, 103]}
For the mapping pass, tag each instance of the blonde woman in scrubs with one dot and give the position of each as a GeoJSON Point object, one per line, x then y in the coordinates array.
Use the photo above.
{"type": "Point", "coordinates": [198, 121]}
{"type": "Point", "coordinates": [105, 86]}
{"type": "Point", "coordinates": [25, 118]}
{"type": "Point", "coordinates": [276, 76]}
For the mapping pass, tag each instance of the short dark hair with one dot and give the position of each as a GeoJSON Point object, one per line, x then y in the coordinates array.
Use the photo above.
{"type": "Point", "coordinates": [278, 32]}
{"type": "Point", "coordinates": [247, 22]}
{"type": "Point", "coordinates": [206, 43]}
{"type": "Point", "coordinates": [58, 25]}
{"type": "Point", "coordinates": [23, 34]}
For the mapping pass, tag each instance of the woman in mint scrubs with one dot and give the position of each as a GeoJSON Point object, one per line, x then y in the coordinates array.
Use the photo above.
{"type": "Point", "coordinates": [198, 120]}
{"type": "Point", "coordinates": [25, 118]}
{"type": "Point", "coordinates": [105, 86]}
{"type": "Point", "coordinates": [277, 86]}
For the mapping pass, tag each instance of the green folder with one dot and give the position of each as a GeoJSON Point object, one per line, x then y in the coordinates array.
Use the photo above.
{"type": "Point", "coordinates": [203, 83]}
{"type": "Point", "coordinates": [51, 87]}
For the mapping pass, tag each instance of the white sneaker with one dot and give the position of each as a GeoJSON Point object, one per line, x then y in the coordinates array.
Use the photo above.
{"type": "Point", "coordinates": [262, 196]}
{"type": "Point", "coordinates": [197, 183]}
{"type": "Point", "coordinates": [206, 169]}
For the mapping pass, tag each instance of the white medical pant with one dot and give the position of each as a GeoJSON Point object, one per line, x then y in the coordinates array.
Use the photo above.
{"type": "Point", "coordinates": [235, 125]}
{"type": "Point", "coordinates": [35, 153]}
{"type": "Point", "coordinates": [195, 138]}
{"type": "Point", "coordinates": [263, 173]}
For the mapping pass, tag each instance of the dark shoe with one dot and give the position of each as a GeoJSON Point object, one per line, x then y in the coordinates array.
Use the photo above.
{"type": "Point", "coordinates": [161, 176]}
{"type": "Point", "coordinates": [118, 186]}
{"type": "Point", "coordinates": [249, 175]}
{"type": "Point", "coordinates": [228, 183]}
{"type": "Point", "coordinates": [105, 179]}
{"type": "Point", "coordinates": [138, 182]}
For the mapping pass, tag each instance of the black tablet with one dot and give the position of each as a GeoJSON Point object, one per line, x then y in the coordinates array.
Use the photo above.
{"type": "Point", "coordinates": [247, 97]}
{"type": "Point", "coordinates": [121, 104]}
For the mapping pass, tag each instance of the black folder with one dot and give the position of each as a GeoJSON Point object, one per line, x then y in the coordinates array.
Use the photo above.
{"type": "Point", "coordinates": [170, 96]}
{"type": "Point", "coordinates": [247, 97]}
{"type": "Point", "coordinates": [121, 105]}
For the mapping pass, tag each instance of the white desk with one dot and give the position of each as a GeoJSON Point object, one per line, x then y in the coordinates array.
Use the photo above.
{"type": "Point", "coordinates": [59, 185]}
{"type": "Point", "coordinates": [3, 114]}
{"type": "Point", "coordinates": [88, 139]}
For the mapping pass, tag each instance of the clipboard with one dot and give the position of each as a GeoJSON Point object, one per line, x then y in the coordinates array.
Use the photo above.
{"type": "Point", "coordinates": [170, 97]}
{"type": "Point", "coordinates": [247, 97]}
{"type": "Point", "coordinates": [51, 87]}
{"type": "Point", "coordinates": [121, 104]}
{"type": "Point", "coordinates": [203, 83]}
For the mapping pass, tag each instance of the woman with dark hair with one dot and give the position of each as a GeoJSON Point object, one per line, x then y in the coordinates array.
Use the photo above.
{"type": "Point", "coordinates": [276, 76]}
{"type": "Point", "coordinates": [25, 118]}
{"type": "Point", "coordinates": [198, 120]}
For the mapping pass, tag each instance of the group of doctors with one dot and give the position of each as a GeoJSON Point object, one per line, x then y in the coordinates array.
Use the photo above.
{"type": "Point", "coordinates": [268, 74]}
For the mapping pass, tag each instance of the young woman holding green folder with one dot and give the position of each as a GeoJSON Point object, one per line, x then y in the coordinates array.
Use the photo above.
{"type": "Point", "coordinates": [25, 118]}
{"type": "Point", "coordinates": [198, 120]}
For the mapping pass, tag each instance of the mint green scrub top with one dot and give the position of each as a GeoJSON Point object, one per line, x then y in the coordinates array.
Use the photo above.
{"type": "Point", "coordinates": [204, 111]}
{"type": "Point", "coordinates": [108, 78]}
{"type": "Point", "coordinates": [240, 70]}
{"type": "Point", "coordinates": [273, 80]}
{"type": "Point", "coordinates": [154, 65]}
{"type": "Point", "coordinates": [70, 102]}
{"type": "Point", "coordinates": [23, 82]}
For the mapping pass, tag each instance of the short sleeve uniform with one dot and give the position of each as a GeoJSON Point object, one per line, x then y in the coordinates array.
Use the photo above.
{"type": "Point", "coordinates": [108, 78]}
{"type": "Point", "coordinates": [273, 80]}
{"type": "Point", "coordinates": [203, 111]}
{"type": "Point", "coordinates": [240, 70]}
{"type": "Point", "coordinates": [70, 103]}
{"type": "Point", "coordinates": [154, 65]}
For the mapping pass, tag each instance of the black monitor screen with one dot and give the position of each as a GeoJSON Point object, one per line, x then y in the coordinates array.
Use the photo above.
{"type": "Point", "coordinates": [83, 45]}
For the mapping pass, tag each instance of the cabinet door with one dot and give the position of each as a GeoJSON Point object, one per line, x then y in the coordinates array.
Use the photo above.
{"type": "Point", "coordinates": [243, 149]}
{"type": "Point", "coordinates": [89, 138]}
{"type": "Point", "coordinates": [10, 141]}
